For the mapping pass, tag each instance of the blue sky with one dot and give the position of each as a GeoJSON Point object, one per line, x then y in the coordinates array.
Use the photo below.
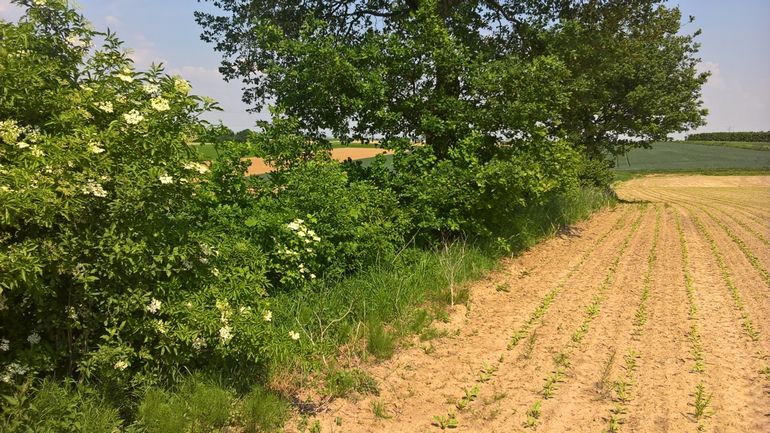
{"type": "Point", "coordinates": [735, 48]}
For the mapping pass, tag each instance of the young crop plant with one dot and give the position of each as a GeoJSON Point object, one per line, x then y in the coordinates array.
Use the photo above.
{"type": "Point", "coordinates": [379, 410]}
{"type": "Point", "coordinates": [470, 396]}
{"type": "Point", "coordinates": [702, 401]}
{"type": "Point", "coordinates": [444, 422]}
{"type": "Point", "coordinates": [533, 415]}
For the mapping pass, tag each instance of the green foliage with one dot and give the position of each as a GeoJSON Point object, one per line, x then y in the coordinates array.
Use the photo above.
{"type": "Point", "coordinates": [57, 408]}
{"type": "Point", "coordinates": [753, 136]}
{"type": "Point", "coordinates": [195, 407]}
{"type": "Point", "coordinates": [607, 75]}
{"type": "Point", "coordinates": [117, 263]}
{"type": "Point", "coordinates": [263, 411]}
{"type": "Point", "coordinates": [340, 383]}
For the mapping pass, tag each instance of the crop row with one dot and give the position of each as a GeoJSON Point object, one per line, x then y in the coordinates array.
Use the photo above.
{"type": "Point", "coordinates": [741, 245]}
{"type": "Point", "coordinates": [622, 387]}
{"type": "Point", "coordinates": [562, 360]}
{"type": "Point", "coordinates": [702, 399]}
{"type": "Point", "coordinates": [746, 322]}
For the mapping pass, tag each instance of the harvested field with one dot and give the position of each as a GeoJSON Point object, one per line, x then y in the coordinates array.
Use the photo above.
{"type": "Point", "coordinates": [650, 317]}
{"type": "Point", "coordinates": [258, 166]}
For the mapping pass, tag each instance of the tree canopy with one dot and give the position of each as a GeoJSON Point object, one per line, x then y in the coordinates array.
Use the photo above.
{"type": "Point", "coordinates": [605, 74]}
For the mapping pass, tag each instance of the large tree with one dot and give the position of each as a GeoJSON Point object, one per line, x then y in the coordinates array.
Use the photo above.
{"type": "Point", "coordinates": [606, 74]}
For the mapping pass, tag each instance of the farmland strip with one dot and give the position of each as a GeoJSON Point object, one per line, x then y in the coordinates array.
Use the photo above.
{"type": "Point", "coordinates": [694, 334]}
{"type": "Point", "coordinates": [623, 386]}
{"type": "Point", "coordinates": [562, 360]}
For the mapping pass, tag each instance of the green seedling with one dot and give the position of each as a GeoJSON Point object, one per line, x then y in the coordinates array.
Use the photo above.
{"type": "Point", "coordinates": [379, 410]}
{"type": "Point", "coordinates": [445, 422]}
{"type": "Point", "coordinates": [533, 415]}
{"type": "Point", "coordinates": [702, 400]}
{"type": "Point", "coordinates": [470, 395]}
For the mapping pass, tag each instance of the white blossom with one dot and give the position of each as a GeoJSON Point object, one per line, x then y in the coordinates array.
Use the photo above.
{"type": "Point", "coordinates": [34, 338]}
{"type": "Point", "coordinates": [154, 306]}
{"type": "Point", "coordinates": [121, 365]}
{"type": "Point", "coordinates": [105, 106]}
{"type": "Point", "coordinates": [133, 117]}
{"type": "Point", "coordinates": [126, 75]}
{"type": "Point", "coordinates": [93, 147]}
{"type": "Point", "coordinates": [10, 131]}
{"type": "Point", "coordinates": [294, 335]}
{"type": "Point", "coordinates": [181, 85]}
{"type": "Point", "coordinates": [225, 334]}
{"type": "Point", "coordinates": [35, 151]}
{"type": "Point", "coordinates": [5, 345]}
{"type": "Point", "coordinates": [94, 188]}
{"type": "Point", "coordinates": [268, 316]}
{"type": "Point", "coordinates": [165, 179]}
{"type": "Point", "coordinates": [159, 104]}
{"type": "Point", "coordinates": [198, 343]}
{"type": "Point", "coordinates": [150, 88]}
{"type": "Point", "coordinates": [22, 145]}
{"type": "Point", "coordinates": [161, 326]}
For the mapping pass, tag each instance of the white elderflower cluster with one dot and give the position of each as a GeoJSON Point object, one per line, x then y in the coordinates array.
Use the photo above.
{"type": "Point", "coordinates": [268, 316]}
{"type": "Point", "coordinates": [181, 85]}
{"type": "Point", "coordinates": [93, 188]}
{"type": "Point", "coordinates": [199, 343]}
{"type": "Point", "coordinates": [154, 306]}
{"type": "Point", "coordinates": [225, 334]}
{"type": "Point", "coordinates": [126, 74]}
{"type": "Point", "coordinates": [294, 335]}
{"type": "Point", "coordinates": [36, 152]}
{"type": "Point", "coordinates": [11, 371]}
{"type": "Point", "coordinates": [5, 345]}
{"type": "Point", "coordinates": [133, 117]}
{"type": "Point", "coordinates": [159, 104]}
{"type": "Point", "coordinates": [298, 226]}
{"type": "Point", "coordinates": [121, 365]}
{"type": "Point", "coordinates": [10, 131]}
{"type": "Point", "coordinates": [34, 338]}
{"type": "Point", "coordinates": [105, 106]}
{"type": "Point", "coordinates": [165, 179]}
{"type": "Point", "coordinates": [94, 147]}
{"type": "Point", "coordinates": [150, 88]}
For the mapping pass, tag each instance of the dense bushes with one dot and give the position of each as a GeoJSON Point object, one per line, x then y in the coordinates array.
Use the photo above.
{"type": "Point", "coordinates": [752, 136]}
{"type": "Point", "coordinates": [126, 262]}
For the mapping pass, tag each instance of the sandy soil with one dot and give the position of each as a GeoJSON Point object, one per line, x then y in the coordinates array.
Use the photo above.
{"type": "Point", "coordinates": [608, 329]}
{"type": "Point", "coordinates": [258, 166]}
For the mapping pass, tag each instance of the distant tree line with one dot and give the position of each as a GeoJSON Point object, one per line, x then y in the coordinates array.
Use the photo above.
{"type": "Point", "coordinates": [753, 136]}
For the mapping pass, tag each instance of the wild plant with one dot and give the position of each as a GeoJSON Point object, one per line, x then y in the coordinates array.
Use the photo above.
{"type": "Point", "coordinates": [702, 401]}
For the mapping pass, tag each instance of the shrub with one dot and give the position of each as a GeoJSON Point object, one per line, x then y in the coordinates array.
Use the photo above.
{"type": "Point", "coordinates": [753, 136]}
{"type": "Point", "coordinates": [116, 262]}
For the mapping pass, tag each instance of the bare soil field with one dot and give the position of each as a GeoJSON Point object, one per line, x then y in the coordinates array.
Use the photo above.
{"type": "Point", "coordinates": [653, 316]}
{"type": "Point", "coordinates": [258, 166]}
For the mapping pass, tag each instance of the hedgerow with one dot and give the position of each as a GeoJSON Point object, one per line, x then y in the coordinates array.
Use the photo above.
{"type": "Point", "coordinates": [750, 136]}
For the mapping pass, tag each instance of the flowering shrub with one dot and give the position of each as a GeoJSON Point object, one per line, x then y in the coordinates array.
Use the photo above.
{"type": "Point", "coordinates": [110, 265]}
